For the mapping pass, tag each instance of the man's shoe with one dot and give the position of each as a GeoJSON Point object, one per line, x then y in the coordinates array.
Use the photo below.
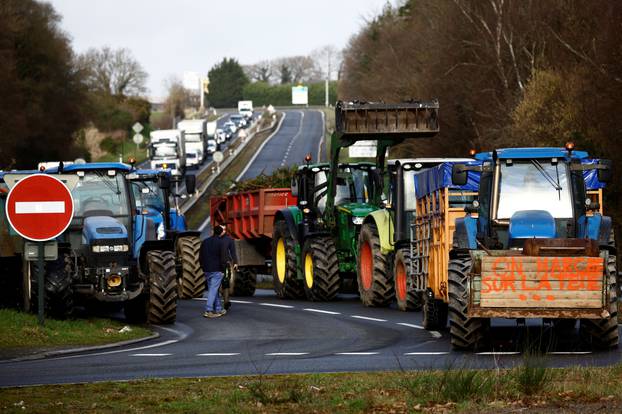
{"type": "Point", "coordinates": [222, 312]}
{"type": "Point", "coordinates": [211, 315]}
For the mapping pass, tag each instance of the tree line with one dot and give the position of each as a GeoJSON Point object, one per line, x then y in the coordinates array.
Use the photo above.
{"type": "Point", "coordinates": [50, 93]}
{"type": "Point", "coordinates": [506, 73]}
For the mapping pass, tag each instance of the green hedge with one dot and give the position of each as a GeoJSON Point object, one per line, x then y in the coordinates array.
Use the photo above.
{"type": "Point", "coordinates": [262, 93]}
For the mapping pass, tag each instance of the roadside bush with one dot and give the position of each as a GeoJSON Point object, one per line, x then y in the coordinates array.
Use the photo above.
{"type": "Point", "coordinates": [532, 375]}
{"type": "Point", "coordinates": [109, 145]}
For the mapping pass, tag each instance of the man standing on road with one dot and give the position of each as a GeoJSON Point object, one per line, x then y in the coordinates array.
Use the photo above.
{"type": "Point", "coordinates": [214, 258]}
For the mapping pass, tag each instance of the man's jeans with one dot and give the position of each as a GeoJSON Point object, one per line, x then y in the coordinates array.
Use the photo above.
{"type": "Point", "coordinates": [213, 281]}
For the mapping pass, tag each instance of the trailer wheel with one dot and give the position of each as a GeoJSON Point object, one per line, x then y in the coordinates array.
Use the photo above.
{"type": "Point", "coordinates": [374, 281]}
{"type": "Point", "coordinates": [321, 269]}
{"type": "Point", "coordinates": [192, 280]}
{"type": "Point", "coordinates": [407, 292]}
{"type": "Point", "coordinates": [162, 305]}
{"type": "Point", "coordinates": [465, 332]}
{"type": "Point", "coordinates": [603, 333]}
{"type": "Point", "coordinates": [434, 313]}
{"type": "Point", "coordinates": [58, 290]}
{"type": "Point", "coordinates": [284, 271]}
{"type": "Point", "coordinates": [245, 282]}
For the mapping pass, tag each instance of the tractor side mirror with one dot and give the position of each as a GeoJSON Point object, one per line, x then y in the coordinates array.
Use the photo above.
{"type": "Point", "coordinates": [459, 174]}
{"type": "Point", "coordinates": [604, 171]}
{"type": "Point", "coordinates": [164, 181]}
{"type": "Point", "coordinates": [191, 184]}
{"type": "Point", "coordinates": [294, 187]}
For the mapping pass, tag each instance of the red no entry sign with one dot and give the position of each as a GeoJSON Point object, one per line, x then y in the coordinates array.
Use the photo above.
{"type": "Point", "coordinates": [39, 207]}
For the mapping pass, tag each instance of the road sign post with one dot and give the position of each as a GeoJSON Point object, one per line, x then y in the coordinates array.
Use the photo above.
{"type": "Point", "coordinates": [39, 208]}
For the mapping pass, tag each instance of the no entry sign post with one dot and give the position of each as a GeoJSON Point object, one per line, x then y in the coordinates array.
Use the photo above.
{"type": "Point", "coordinates": [39, 207]}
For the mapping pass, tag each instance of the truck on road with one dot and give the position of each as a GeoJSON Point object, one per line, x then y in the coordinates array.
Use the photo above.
{"type": "Point", "coordinates": [245, 108]}
{"type": "Point", "coordinates": [167, 150]}
{"type": "Point", "coordinates": [195, 135]}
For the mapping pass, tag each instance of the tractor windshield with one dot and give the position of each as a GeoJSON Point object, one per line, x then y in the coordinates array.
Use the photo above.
{"type": "Point", "coordinates": [534, 185]}
{"type": "Point", "coordinates": [148, 194]}
{"type": "Point", "coordinates": [100, 193]}
{"type": "Point", "coordinates": [353, 186]}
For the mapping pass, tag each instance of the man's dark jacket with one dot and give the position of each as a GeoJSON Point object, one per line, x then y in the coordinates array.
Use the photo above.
{"type": "Point", "coordinates": [231, 254]}
{"type": "Point", "coordinates": [214, 256]}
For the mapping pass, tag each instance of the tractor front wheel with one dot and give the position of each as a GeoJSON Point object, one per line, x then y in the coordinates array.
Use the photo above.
{"type": "Point", "coordinates": [465, 332]}
{"type": "Point", "coordinates": [407, 292]}
{"type": "Point", "coordinates": [321, 269]}
{"type": "Point", "coordinates": [373, 273]}
{"type": "Point", "coordinates": [58, 291]}
{"type": "Point", "coordinates": [162, 304]}
{"type": "Point", "coordinates": [286, 285]}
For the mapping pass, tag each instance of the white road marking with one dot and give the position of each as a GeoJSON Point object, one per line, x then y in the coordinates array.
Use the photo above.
{"type": "Point", "coordinates": [357, 353]}
{"type": "Point", "coordinates": [494, 353]}
{"type": "Point", "coordinates": [240, 301]}
{"type": "Point", "coordinates": [275, 305]}
{"type": "Point", "coordinates": [436, 334]}
{"type": "Point", "coordinates": [203, 299]}
{"type": "Point", "coordinates": [287, 353]}
{"type": "Point", "coordinates": [427, 353]}
{"type": "Point", "coordinates": [569, 353]}
{"type": "Point", "coordinates": [367, 318]}
{"type": "Point", "coordinates": [410, 325]}
{"type": "Point", "coordinates": [322, 311]}
{"type": "Point", "coordinates": [39, 207]}
{"type": "Point", "coordinates": [220, 354]}
{"type": "Point", "coordinates": [150, 355]}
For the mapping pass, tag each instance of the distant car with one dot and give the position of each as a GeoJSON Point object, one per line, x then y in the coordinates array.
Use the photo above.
{"type": "Point", "coordinates": [193, 158]}
{"type": "Point", "coordinates": [220, 135]}
{"type": "Point", "coordinates": [231, 126]}
{"type": "Point", "coordinates": [212, 146]}
{"type": "Point", "coordinates": [238, 120]}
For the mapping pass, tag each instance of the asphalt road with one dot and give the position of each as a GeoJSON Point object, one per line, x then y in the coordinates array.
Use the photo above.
{"type": "Point", "coordinates": [262, 335]}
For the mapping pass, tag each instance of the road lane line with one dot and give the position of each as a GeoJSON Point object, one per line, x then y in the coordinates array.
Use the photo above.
{"type": "Point", "coordinates": [569, 353]}
{"type": "Point", "coordinates": [220, 354]}
{"type": "Point", "coordinates": [494, 353]}
{"type": "Point", "coordinates": [287, 353]}
{"type": "Point", "coordinates": [426, 353]}
{"type": "Point", "coordinates": [322, 311]}
{"type": "Point", "coordinates": [410, 325]}
{"type": "Point", "coordinates": [367, 318]}
{"type": "Point", "coordinates": [150, 355]}
{"type": "Point", "coordinates": [240, 301]}
{"type": "Point", "coordinates": [275, 305]}
{"type": "Point", "coordinates": [357, 353]}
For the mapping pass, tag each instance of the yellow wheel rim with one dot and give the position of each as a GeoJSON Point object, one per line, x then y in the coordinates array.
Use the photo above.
{"type": "Point", "coordinates": [280, 260]}
{"type": "Point", "coordinates": [309, 270]}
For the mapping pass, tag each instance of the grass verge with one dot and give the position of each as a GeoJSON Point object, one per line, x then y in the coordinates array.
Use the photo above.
{"type": "Point", "coordinates": [494, 391]}
{"type": "Point", "coordinates": [20, 333]}
{"type": "Point", "coordinates": [198, 213]}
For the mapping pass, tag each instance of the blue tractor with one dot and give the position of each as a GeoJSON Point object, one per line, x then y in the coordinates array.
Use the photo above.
{"type": "Point", "coordinates": [539, 246]}
{"type": "Point", "coordinates": [110, 252]}
{"type": "Point", "coordinates": [152, 191]}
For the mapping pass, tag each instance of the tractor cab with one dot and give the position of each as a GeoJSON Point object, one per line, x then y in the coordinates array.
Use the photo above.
{"type": "Point", "coordinates": [540, 193]}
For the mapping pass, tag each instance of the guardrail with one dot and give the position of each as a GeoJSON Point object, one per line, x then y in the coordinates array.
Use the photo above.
{"type": "Point", "coordinates": [202, 187]}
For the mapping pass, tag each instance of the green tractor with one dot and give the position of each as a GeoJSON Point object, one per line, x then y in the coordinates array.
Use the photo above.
{"type": "Point", "coordinates": [314, 243]}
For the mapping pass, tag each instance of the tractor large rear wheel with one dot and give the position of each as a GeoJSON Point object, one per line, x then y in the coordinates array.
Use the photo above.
{"type": "Point", "coordinates": [603, 333]}
{"type": "Point", "coordinates": [284, 272]}
{"type": "Point", "coordinates": [321, 269]}
{"type": "Point", "coordinates": [465, 332]}
{"type": "Point", "coordinates": [374, 280]}
{"type": "Point", "coordinates": [244, 282]}
{"type": "Point", "coordinates": [58, 291]}
{"type": "Point", "coordinates": [408, 293]}
{"type": "Point", "coordinates": [192, 280]}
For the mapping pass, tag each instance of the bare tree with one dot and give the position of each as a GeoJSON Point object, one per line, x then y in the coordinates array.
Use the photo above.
{"type": "Point", "coordinates": [115, 72]}
{"type": "Point", "coordinates": [299, 68]}
{"type": "Point", "coordinates": [260, 71]}
{"type": "Point", "coordinates": [327, 60]}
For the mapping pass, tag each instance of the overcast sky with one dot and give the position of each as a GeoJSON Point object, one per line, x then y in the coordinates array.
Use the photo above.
{"type": "Point", "coordinates": [170, 37]}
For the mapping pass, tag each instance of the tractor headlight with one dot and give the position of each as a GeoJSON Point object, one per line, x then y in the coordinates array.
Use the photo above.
{"type": "Point", "coordinates": [358, 220]}
{"type": "Point", "coordinates": [160, 231]}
